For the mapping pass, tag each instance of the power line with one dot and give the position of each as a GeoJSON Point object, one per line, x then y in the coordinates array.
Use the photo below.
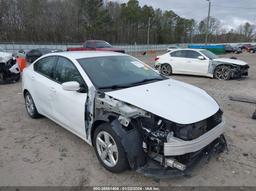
{"type": "Point", "coordinates": [234, 7]}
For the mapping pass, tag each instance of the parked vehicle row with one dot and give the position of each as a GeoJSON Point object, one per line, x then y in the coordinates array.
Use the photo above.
{"type": "Point", "coordinates": [233, 49]}
{"type": "Point", "coordinates": [200, 62]}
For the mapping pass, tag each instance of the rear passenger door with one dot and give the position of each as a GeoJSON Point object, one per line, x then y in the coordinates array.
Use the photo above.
{"type": "Point", "coordinates": [42, 84]}
{"type": "Point", "coordinates": [69, 106]}
{"type": "Point", "coordinates": [178, 61]}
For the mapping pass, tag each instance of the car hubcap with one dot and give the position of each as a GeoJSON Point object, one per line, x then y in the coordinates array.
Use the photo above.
{"type": "Point", "coordinates": [107, 149]}
{"type": "Point", "coordinates": [222, 73]}
{"type": "Point", "coordinates": [30, 105]}
{"type": "Point", "coordinates": [165, 70]}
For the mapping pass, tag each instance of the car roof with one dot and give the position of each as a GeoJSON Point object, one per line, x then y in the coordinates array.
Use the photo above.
{"type": "Point", "coordinates": [85, 54]}
{"type": "Point", "coordinates": [188, 49]}
{"type": "Point", "coordinates": [95, 41]}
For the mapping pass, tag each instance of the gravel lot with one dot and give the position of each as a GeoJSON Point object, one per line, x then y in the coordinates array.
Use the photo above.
{"type": "Point", "coordinates": [41, 153]}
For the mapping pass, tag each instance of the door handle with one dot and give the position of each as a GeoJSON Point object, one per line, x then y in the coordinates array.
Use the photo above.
{"type": "Point", "coordinates": [33, 78]}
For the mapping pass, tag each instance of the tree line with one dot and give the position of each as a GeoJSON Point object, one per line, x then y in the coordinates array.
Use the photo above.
{"type": "Point", "coordinates": [72, 21]}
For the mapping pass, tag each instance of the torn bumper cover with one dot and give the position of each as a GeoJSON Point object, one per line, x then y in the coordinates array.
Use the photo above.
{"type": "Point", "coordinates": [153, 168]}
{"type": "Point", "coordinates": [177, 146]}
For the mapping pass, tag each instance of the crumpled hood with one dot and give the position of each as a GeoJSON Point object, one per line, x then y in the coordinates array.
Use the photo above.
{"type": "Point", "coordinates": [5, 56]}
{"type": "Point", "coordinates": [173, 100]}
{"type": "Point", "coordinates": [231, 61]}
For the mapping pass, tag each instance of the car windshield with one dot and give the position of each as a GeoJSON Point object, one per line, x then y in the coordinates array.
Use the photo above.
{"type": "Point", "coordinates": [209, 54]}
{"type": "Point", "coordinates": [102, 44]}
{"type": "Point", "coordinates": [115, 72]}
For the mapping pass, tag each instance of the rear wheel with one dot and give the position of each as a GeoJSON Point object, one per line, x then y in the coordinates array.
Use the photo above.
{"type": "Point", "coordinates": [222, 73]}
{"type": "Point", "coordinates": [109, 149]}
{"type": "Point", "coordinates": [166, 69]}
{"type": "Point", "coordinates": [30, 106]}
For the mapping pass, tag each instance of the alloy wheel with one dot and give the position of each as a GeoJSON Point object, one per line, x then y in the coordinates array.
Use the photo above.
{"type": "Point", "coordinates": [222, 73]}
{"type": "Point", "coordinates": [166, 69]}
{"type": "Point", "coordinates": [107, 149]}
{"type": "Point", "coordinates": [30, 105]}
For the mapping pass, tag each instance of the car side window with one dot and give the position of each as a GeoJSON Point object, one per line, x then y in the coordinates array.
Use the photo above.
{"type": "Point", "coordinates": [66, 71]}
{"type": "Point", "coordinates": [89, 44]}
{"type": "Point", "coordinates": [45, 66]}
{"type": "Point", "coordinates": [179, 53]}
{"type": "Point", "coordinates": [192, 54]}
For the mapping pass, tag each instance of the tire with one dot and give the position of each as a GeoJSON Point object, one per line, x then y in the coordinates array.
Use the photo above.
{"type": "Point", "coordinates": [30, 106]}
{"type": "Point", "coordinates": [222, 72]}
{"type": "Point", "coordinates": [2, 77]}
{"type": "Point", "coordinates": [104, 135]}
{"type": "Point", "coordinates": [166, 69]}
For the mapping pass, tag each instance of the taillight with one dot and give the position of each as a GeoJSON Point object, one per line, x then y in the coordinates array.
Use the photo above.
{"type": "Point", "coordinates": [157, 58]}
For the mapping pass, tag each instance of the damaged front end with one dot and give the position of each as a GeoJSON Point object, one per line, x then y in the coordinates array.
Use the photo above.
{"type": "Point", "coordinates": [239, 71]}
{"type": "Point", "coordinates": [9, 69]}
{"type": "Point", "coordinates": [149, 139]}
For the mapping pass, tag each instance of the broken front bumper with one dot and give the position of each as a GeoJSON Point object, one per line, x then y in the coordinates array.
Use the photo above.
{"type": "Point", "coordinates": [154, 169]}
{"type": "Point", "coordinates": [176, 146]}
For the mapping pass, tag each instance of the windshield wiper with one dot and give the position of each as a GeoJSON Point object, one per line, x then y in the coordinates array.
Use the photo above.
{"type": "Point", "coordinates": [120, 86]}
{"type": "Point", "coordinates": [114, 87]}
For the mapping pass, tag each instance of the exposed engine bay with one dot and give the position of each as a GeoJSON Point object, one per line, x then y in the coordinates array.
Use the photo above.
{"type": "Point", "coordinates": [145, 136]}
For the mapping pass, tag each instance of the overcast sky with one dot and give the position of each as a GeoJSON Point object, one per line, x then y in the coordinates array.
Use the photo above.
{"type": "Point", "coordinates": [231, 13]}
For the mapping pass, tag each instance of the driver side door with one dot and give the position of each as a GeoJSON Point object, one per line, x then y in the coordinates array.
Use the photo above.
{"type": "Point", "coordinates": [195, 65]}
{"type": "Point", "coordinates": [69, 106]}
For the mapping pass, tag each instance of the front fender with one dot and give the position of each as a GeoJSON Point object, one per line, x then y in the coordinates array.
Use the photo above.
{"type": "Point", "coordinates": [132, 143]}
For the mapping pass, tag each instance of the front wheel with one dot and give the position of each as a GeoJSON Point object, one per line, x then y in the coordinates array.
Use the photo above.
{"type": "Point", "coordinates": [109, 149]}
{"type": "Point", "coordinates": [222, 73]}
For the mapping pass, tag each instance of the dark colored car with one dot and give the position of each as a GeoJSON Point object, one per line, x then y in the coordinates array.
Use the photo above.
{"type": "Point", "coordinates": [98, 45]}
{"type": "Point", "coordinates": [252, 49]}
{"type": "Point", "coordinates": [34, 54]}
{"type": "Point", "coordinates": [228, 49]}
{"type": "Point", "coordinates": [232, 49]}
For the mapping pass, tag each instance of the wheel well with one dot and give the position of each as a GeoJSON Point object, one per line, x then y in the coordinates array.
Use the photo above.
{"type": "Point", "coordinates": [231, 66]}
{"type": "Point", "coordinates": [24, 92]}
{"type": "Point", "coordinates": [94, 127]}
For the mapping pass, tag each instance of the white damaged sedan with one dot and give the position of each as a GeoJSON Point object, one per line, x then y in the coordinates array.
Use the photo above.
{"type": "Point", "coordinates": [200, 62]}
{"type": "Point", "coordinates": [127, 111]}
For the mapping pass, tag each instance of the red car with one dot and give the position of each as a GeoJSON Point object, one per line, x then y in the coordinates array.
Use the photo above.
{"type": "Point", "coordinates": [98, 45]}
{"type": "Point", "coordinates": [248, 48]}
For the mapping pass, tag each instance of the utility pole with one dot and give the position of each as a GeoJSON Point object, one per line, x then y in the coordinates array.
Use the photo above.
{"type": "Point", "coordinates": [149, 21]}
{"type": "Point", "coordinates": [208, 22]}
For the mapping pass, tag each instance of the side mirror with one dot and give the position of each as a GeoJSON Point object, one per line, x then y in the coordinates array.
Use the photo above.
{"type": "Point", "coordinates": [201, 58]}
{"type": "Point", "coordinates": [71, 86]}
